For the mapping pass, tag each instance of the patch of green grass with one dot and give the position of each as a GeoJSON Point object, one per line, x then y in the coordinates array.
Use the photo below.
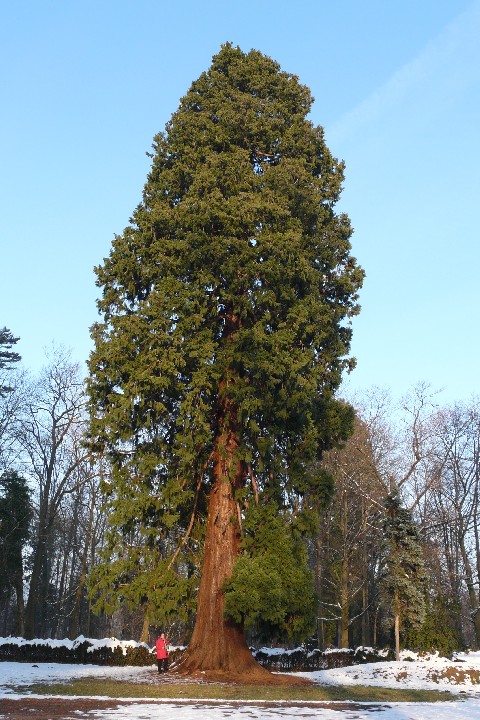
{"type": "Point", "coordinates": [210, 691]}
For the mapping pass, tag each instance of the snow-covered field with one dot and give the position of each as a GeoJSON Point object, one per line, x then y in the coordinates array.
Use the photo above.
{"type": "Point", "coordinates": [461, 677]}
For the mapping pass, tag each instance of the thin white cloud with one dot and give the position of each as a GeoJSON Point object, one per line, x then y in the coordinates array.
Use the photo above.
{"type": "Point", "coordinates": [445, 68]}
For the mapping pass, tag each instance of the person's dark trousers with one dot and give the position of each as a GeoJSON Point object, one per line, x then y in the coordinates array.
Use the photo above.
{"type": "Point", "coordinates": [162, 664]}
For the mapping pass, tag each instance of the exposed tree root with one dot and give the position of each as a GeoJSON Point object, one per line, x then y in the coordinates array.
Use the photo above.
{"type": "Point", "coordinates": [261, 677]}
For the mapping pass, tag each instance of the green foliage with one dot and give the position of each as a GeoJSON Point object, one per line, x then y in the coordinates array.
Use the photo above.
{"type": "Point", "coordinates": [236, 221]}
{"type": "Point", "coordinates": [7, 356]}
{"type": "Point", "coordinates": [403, 581]}
{"type": "Point", "coordinates": [136, 565]}
{"type": "Point", "coordinates": [232, 287]}
{"type": "Point", "coordinates": [15, 518]}
{"type": "Point", "coordinates": [439, 630]}
{"type": "Point", "coordinates": [271, 587]}
{"type": "Point", "coordinates": [148, 583]}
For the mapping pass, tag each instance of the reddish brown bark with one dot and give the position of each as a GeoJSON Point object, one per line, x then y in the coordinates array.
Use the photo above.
{"type": "Point", "coordinates": [219, 643]}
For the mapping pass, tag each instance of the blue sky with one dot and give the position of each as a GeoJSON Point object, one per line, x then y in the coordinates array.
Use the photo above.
{"type": "Point", "coordinates": [86, 85]}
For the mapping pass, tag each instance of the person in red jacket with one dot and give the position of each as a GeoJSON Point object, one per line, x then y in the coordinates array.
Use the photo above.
{"type": "Point", "coordinates": [162, 653]}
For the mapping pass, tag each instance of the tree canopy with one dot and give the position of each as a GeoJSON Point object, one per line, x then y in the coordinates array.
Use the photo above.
{"type": "Point", "coordinates": [15, 527]}
{"type": "Point", "coordinates": [404, 572]}
{"type": "Point", "coordinates": [225, 326]}
{"type": "Point", "coordinates": [7, 356]}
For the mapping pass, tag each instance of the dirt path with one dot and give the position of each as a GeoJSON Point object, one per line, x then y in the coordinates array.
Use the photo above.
{"type": "Point", "coordinates": [52, 708]}
{"type": "Point", "coordinates": [91, 709]}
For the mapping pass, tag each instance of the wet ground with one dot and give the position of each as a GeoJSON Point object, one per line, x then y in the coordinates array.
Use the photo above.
{"type": "Point", "coordinates": [92, 709]}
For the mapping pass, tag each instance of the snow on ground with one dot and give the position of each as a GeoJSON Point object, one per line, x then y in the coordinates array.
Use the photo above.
{"type": "Point", "coordinates": [14, 674]}
{"type": "Point", "coordinates": [333, 711]}
{"type": "Point", "coordinates": [462, 677]}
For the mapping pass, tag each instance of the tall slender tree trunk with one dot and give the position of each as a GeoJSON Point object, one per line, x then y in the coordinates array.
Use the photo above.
{"type": "Point", "coordinates": [45, 610]}
{"type": "Point", "coordinates": [472, 593]}
{"type": "Point", "coordinates": [20, 603]}
{"type": "Point", "coordinates": [75, 616]}
{"type": "Point", "coordinates": [365, 616]}
{"type": "Point", "coordinates": [344, 578]}
{"type": "Point", "coordinates": [344, 603]}
{"type": "Point", "coordinates": [318, 586]}
{"type": "Point", "coordinates": [65, 593]}
{"type": "Point", "coordinates": [34, 591]}
{"type": "Point", "coordinates": [62, 595]}
{"type": "Point", "coordinates": [4, 605]}
{"type": "Point", "coordinates": [92, 564]}
{"type": "Point", "coordinates": [35, 594]}
{"type": "Point", "coordinates": [452, 556]}
{"type": "Point", "coordinates": [364, 626]}
{"type": "Point", "coordinates": [397, 636]}
{"type": "Point", "coordinates": [218, 643]}
{"type": "Point", "coordinates": [396, 611]}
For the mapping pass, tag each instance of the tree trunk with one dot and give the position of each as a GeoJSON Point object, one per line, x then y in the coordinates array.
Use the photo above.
{"type": "Point", "coordinates": [452, 556]}
{"type": "Point", "coordinates": [365, 615]}
{"type": "Point", "coordinates": [364, 626]}
{"type": "Point", "coordinates": [344, 578]}
{"type": "Point", "coordinates": [145, 634]}
{"type": "Point", "coordinates": [472, 595]}
{"type": "Point", "coordinates": [45, 609]}
{"type": "Point", "coordinates": [35, 584]}
{"type": "Point", "coordinates": [218, 643]}
{"type": "Point", "coordinates": [318, 586]}
{"type": "Point", "coordinates": [63, 594]}
{"type": "Point", "coordinates": [4, 605]}
{"type": "Point", "coordinates": [397, 636]}
{"type": "Point", "coordinates": [20, 604]}
{"type": "Point", "coordinates": [396, 611]}
{"type": "Point", "coordinates": [92, 564]}
{"type": "Point", "coordinates": [75, 616]}
{"type": "Point", "coordinates": [344, 602]}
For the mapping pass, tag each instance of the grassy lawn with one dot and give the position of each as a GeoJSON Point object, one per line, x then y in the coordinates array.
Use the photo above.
{"type": "Point", "coordinates": [210, 691]}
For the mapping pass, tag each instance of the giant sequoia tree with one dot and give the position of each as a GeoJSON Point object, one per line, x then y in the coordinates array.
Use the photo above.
{"type": "Point", "coordinates": [224, 328]}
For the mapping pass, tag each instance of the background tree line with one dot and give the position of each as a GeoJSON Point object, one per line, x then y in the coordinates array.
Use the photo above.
{"type": "Point", "coordinates": [396, 546]}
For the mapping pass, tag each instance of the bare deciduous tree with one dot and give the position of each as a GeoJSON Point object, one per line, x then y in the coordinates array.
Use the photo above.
{"type": "Point", "coordinates": [50, 436]}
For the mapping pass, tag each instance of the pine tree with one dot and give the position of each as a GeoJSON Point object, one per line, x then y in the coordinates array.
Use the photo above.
{"type": "Point", "coordinates": [404, 573]}
{"type": "Point", "coordinates": [7, 356]}
{"type": "Point", "coordinates": [15, 517]}
{"type": "Point", "coordinates": [225, 326]}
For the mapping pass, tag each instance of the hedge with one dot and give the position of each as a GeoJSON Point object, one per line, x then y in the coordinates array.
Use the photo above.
{"type": "Point", "coordinates": [117, 653]}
